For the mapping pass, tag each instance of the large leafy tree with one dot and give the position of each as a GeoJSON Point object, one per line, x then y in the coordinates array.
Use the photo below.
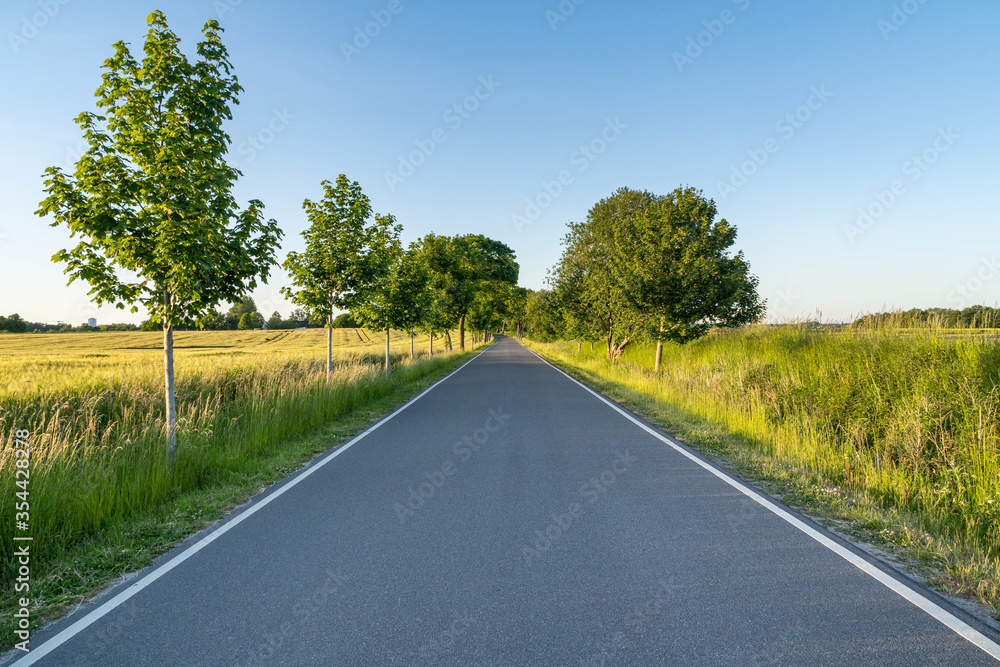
{"type": "Point", "coordinates": [587, 276]}
{"type": "Point", "coordinates": [675, 266]}
{"type": "Point", "coordinates": [517, 302]}
{"type": "Point", "coordinates": [151, 198]}
{"type": "Point", "coordinates": [497, 276]}
{"type": "Point", "coordinates": [541, 316]}
{"type": "Point", "coordinates": [644, 263]}
{"type": "Point", "coordinates": [337, 263]}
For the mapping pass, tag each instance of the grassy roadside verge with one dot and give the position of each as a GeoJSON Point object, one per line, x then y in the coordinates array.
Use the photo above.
{"type": "Point", "coordinates": [74, 570]}
{"type": "Point", "coordinates": [754, 401]}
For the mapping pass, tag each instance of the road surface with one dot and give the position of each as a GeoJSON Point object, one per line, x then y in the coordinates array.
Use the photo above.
{"type": "Point", "coordinates": [509, 516]}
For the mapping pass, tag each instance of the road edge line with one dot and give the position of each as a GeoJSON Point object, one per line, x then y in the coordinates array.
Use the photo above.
{"type": "Point", "coordinates": [67, 633]}
{"type": "Point", "coordinates": [925, 604]}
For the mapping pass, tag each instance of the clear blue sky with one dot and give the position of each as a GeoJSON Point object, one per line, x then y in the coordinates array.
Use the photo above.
{"type": "Point", "coordinates": [930, 88]}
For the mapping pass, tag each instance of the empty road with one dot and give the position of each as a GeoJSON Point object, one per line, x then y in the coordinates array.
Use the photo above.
{"type": "Point", "coordinates": [509, 516]}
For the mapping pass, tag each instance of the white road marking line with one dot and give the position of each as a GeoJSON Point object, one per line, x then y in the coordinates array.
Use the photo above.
{"type": "Point", "coordinates": [36, 654]}
{"type": "Point", "coordinates": [954, 623]}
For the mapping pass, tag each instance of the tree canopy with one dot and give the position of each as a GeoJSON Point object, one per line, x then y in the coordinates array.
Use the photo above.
{"type": "Point", "coordinates": [151, 198]}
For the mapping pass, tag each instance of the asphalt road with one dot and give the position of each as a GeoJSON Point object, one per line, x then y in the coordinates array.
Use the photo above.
{"type": "Point", "coordinates": [510, 517]}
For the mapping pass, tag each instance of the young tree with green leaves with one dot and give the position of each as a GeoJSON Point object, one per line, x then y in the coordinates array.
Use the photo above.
{"type": "Point", "coordinates": [371, 303]}
{"type": "Point", "coordinates": [410, 298]}
{"type": "Point", "coordinates": [152, 195]}
{"type": "Point", "coordinates": [334, 266]}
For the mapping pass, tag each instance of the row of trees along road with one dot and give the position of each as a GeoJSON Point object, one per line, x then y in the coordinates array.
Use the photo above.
{"type": "Point", "coordinates": [648, 266]}
{"type": "Point", "coordinates": [354, 261]}
{"type": "Point", "coordinates": [151, 201]}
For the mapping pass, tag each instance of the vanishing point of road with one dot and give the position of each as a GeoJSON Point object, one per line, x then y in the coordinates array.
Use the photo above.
{"type": "Point", "coordinates": [510, 516]}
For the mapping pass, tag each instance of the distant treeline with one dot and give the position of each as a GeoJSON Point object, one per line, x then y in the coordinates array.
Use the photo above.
{"type": "Point", "coordinates": [974, 317]}
{"type": "Point", "coordinates": [15, 324]}
{"type": "Point", "coordinates": [243, 315]}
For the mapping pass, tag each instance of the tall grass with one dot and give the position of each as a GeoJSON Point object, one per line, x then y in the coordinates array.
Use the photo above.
{"type": "Point", "coordinates": [908, 421]}
{"type": "Point", "coordinates": [97, 421]}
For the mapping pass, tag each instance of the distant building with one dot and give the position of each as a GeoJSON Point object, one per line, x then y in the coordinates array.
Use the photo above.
{"type": "Point", "coordinates": [92, 322]}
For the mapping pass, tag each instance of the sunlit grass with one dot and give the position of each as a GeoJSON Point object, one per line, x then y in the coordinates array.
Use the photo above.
{"type": "Point", "coordinates": [94, 406]}
{"type": "Point", "coordinates": [907, 423]}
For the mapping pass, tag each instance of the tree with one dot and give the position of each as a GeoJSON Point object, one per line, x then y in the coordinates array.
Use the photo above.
{"type": "Point", "coordinates": [240, 308]}
{"type": "Point", "coordinates": [275, 321]}
{"type": "Point", "coordinates": [589, 262]}
{"type": "Point", "coordinates": [13, 324]}
{"type": "Point", "coordinates": [497, 280]}
{"type": "Point", "coordinates": [541, 316]}
{"type": "Point", "coordinates": [409, 297]}
{"type": "Point", "coordinates": [299, 317]}
{"type": "Point", "coordinates": [336, 264]}
{"type": "Point", "coordinates": [345, 321]}
{"type": "Point", "coordinates": [246, 322]}
{"type": "Point", "coordinates": [152, 195]}
{"type": "Point", "coordinates": [676, 269]}
{"type": "Point", "coordinates": [372, 303]}
{"type": "Point", "coordinates": [457, 266]}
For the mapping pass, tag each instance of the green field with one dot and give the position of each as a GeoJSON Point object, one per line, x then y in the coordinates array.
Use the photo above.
{"type": "Point", "coordinates": [890, 434]}
{"type": "Point", "coordinates": [252, 406]}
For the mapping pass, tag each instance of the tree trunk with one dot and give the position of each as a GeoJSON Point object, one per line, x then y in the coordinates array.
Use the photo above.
{"type": "Point", "coordinates": [579, 346]}
{"type": "Point", "coordinates": [447, 339]}
{"type": "Point", "coordinates": [387, 349]}
{"type": "Point", "coordinates": [591, 346]}
{"type": "Point", "coordinates": [412, 356]}
{"type": "Point", "coordinates": [329, 351]}
{"type": "Point", "coordinates": [430, 344]}
{"type": "Point", "coordinates": [611, 338]}
{"type": "Point", "coordinates": [168, 376]}
{"type": "Point", "coordinates": [620, 347]}
{"type": "Point", "coordinates": [461, 333]}
{"type": "Point", "coordinates": [659, 350]}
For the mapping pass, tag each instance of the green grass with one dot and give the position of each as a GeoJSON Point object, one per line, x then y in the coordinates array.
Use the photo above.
{"type": "Point", "coordinates": [892, 437]}
{"type": "Point", "coordinates": [252, 408]}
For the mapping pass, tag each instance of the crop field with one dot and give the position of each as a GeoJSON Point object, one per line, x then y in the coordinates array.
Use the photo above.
{"type": "Point", "coordinates": [894, 430]}
{"type": "Point", "coordinates": [94, 406]}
